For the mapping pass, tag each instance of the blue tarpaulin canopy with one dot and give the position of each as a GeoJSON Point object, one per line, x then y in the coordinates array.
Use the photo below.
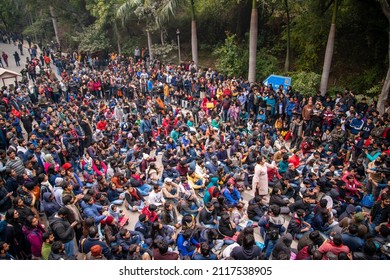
{"type": "Point", "coordinates": [276, 81]}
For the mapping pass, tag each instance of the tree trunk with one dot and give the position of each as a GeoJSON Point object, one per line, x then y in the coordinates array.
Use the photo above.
{"type": "Point", "coordinates": [253, 43]}
{"type": "Point", "coordinates": [55, 23]}
{"type": "Point", "coordinates": [386, 85]}
{"type": "Point", "coordinates": [117, 38]}
{"type": "Point", "coordinates": [150, 45]}
{"type": "Point", "coordinates": [287, 61]}
{"type": "Point", "coordinates": [329, 51]}
{"type": "Point", "coordinates": [162, 36]}
{"type": "Point", "coordinates": [194, 35]}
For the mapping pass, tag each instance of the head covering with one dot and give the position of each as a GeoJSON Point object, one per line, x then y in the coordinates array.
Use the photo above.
{"type": "Point", "coordinates": [96, 250]}
{"type": "Point", "coordinates": [88, 169]}
{"type": "Point", "coordinates": [67, 166]}
{"type": "Point", "coordinates": [58, 181]}
{"type": "Point", "coordinates": [359, 217]}
{"type": "Point", "coordinates": [167, 180]}
{"type": "Point", "coordinates": [48, 158]}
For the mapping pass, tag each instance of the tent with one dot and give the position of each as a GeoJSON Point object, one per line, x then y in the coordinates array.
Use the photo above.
{"type": "Point", "coordinates": [7, 77]}
{"type": "Point", "coordinates": [276, 81]}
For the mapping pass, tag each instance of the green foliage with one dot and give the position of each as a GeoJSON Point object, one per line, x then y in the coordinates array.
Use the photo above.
{"type": "Point", "coordinates": [233, 59]}
{"type": "Point", "coordinates": [305, 82]}
{"type": "Point", "coordinates": [92, 39]}
{"type": "Point", "coordinates": [230, 57]}
{"type": "Point", "coordinates": [164, 52]}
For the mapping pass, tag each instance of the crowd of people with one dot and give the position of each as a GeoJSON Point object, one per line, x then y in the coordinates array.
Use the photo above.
{"type": "Point", "coordinates": [80, 153]}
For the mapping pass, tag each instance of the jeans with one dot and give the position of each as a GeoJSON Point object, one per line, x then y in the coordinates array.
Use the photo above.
{"type": "Point", "coordinates": [69, 248]}
{"type": "Point", "coordinates": [144, 189]}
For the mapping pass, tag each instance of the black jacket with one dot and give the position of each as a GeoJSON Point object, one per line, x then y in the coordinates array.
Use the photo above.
{"type": "Point", "coordinates": [61, 229]}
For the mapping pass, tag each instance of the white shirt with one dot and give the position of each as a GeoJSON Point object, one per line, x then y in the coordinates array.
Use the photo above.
{"type": "Point", "coordinates": [156, 198]}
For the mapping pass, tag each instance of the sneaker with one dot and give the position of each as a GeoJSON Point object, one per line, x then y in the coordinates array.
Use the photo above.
{"type": "Point", "coordinates": [201, 195]}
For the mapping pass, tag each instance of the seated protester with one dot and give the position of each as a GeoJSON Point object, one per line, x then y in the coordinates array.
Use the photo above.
{"type": "Point", "coordinates": [189, 205]}
{"type": "Point", "coordinates": [89, 175]}
{"type": "Point", "coordinates": [305, 204]}
{"type": "Point", "coordinates": [240, 217]}
{"type": "Point", "coordinates": [248, 250]}
{"type": "Point", "coordinates": [58, 252]}
{"type": "Point", "coordinates": [170, 190]}
{"type": "Point", "coordinates": [208, 216]}
{"type": "Point", "coordinates": [231, 194]}
{"type": "Point", "coordinates": [110, 230]}
{"type": "Point", "coordinates": [137, 252]}
{"type": "Point", "coordinates": [357, 219]}
{"type": "Point", "coordinates": [161, 251]}
{"type": "Point", "coordinates": [196, 182]}
{"type": "Point", "coordinates": [323, 221]}
{"type": "Point", "coordinates": [307, 252]}
{"type": "Point", "coordinates": [118, 215]}
{"type": "Point", "coordinates": [186, 244]}
{"type": "Point", "coordinates": [287, 191]}
{"type": "Point", "coordinates": [151, 212]}
{"type": "Point", "coordinates": [220, 205]}
{"type": "Point", "coordinates": [95, 253]}
{"type": "Point", "coordinates": [203, 252]}
{"type": "Point", "coordinates": [156, 197]}
{"type": "Point", "coordinates": [101, 199]}
{"type": "Point", "coordinates": [331, 248]}
{"type": "Point", "coordinates": [308, 238]}
{"type": "Point", "coordinates": [113, 195]}
{"type": "Point", "coordinates": [93, 210]}
{"type": "Point", "coordinates": [352, 240]}
{"type": "Point", "coordinates": [144, 226]}
{"type": "Point", "coordinates": [134, 200]}
{"type": "Point", "coordinates": [283, 246]}
{"type": "Point", "coordinates": [297, 225]}
{"type": "Point", "coordinates": [119, 181]}
{"type": "Point", "coordinates": [369, 252]}
{"type": "Point", "coordinates": [126, 238]}
{"type": "Point", "coordinates": [211, 237]}
{"type": "Point", "coordinates": [277, 199]}
{"type": "Point", "coordinates": [169, 215]}
{"type": "Point", "coordinates": [283, 165]}
{"type": "Point", "coordinates": [93, 239]}
{"type": "Point", "coordinates": [160, 231]}
{"type": "Point", "coordinates": [271, 227]}
{"type": "Point", "coordinates": [227, 229]}
{"type": "Point", "coordinates": [137, 181]}
{"type": "Point", "coordinates": [255, 208]}
{"type": "Point", "coordinates": [117, 252]}
{"type": "Point", "coordinates": [212, 190]}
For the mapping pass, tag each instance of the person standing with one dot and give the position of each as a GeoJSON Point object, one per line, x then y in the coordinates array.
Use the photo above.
{"type": "Point", "coordinates": [17, 58]}
{"type": "Point", "coordinates": [63, 231]}
{"type": "Point", "coordinates": [260, 178]}
{"type": "Point", "coordinates": [5, 58]}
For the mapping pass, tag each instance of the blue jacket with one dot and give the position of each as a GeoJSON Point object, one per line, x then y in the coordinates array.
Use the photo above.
{"type": "Point", "coordinates": [232, 198]}
{"type": "Point", "coordinates": [93, 211]}
{"type": "Point", "coordinates": [186, 247]}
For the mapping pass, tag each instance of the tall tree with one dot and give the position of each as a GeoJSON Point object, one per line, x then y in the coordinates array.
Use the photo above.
{"type": "Point", "coordinates": [54, 19]}
{"type": "Point", "coordinates": [194, 34]}
{"type": "Point", "coordinates": [385, 5]}
{"type": "Point", "coordinates": [329, 50]}
{"type": "Point", "coordinates": [287, 61]}
{"type": "Point", "coordinates": [253, 42]}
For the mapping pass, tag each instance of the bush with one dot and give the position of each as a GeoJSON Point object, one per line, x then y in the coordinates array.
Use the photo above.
{"type": "Point", "coordinates": [306, 83]}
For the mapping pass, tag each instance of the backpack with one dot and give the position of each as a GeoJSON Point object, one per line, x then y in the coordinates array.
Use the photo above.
{"type": "Point", "coordinates": [272, 231]}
